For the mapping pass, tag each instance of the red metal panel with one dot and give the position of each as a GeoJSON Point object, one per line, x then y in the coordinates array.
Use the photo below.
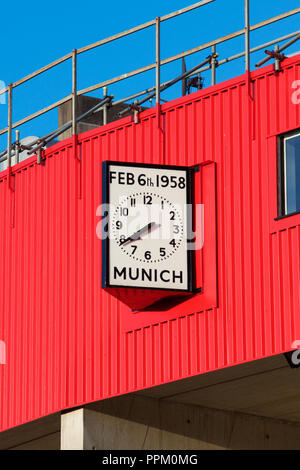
{"type": "Point", "coordinates": [68, 342]}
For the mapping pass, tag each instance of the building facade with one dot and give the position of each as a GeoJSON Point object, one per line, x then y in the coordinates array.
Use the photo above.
{"type": "Point", "coordinates": [67, 341]}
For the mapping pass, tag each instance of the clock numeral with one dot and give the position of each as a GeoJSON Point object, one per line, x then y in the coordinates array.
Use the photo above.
{"type": "Point", "coordinates": [134, 249]}
{"type": "Point", "coordinates": [162, 252]}
{"type": "Point", "coordinates": [119, 225]}
{"type": "Point", "coordinates": [122, 238]}
{"type": "Point", "coordinates": [172, 215]}
{"type": "Point", "coordinates": [173, 243]}
{"type": "Point", "coordinates": [181, 183]}
{"type": "Point", "coordinates": [173, 182]}
{"type": "Point", "coordinates": [147, 199]}
{"type": "Point", "coordinates": [162, 204]}
{"type": "Point", "coordinates": [148, 255]}
{"type": "Point", "coordinates": [124, 211]}
{"type": "Point", "coordinates": [164, 181]}
{"type": "Point", "coordinates": [176, 229]}
{"type": "Point", "coordinates": [132, 202]}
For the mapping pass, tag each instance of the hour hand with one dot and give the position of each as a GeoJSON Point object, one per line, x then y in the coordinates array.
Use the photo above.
{"type": "Point", "coordinates": [137, 235]}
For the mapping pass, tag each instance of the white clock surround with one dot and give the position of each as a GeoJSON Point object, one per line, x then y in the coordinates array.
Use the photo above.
{"type": "Point", "coordinates": [149, 221]}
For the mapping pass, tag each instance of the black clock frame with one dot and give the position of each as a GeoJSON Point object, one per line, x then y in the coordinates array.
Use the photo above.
{"type": "Point", "coordinates": [190, 192]}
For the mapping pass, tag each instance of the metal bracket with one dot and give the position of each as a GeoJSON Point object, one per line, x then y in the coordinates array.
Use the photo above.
{"type": "Point", "coordinates": [213, 64]}
{"type": "Point", "coordinates": [279, 57]}
{"type": "Point", "coordinates": [132, 107]}
{"type": "Point", "coordinates": [194, 82]}
{"type": "Point", "coordinates": [213, 59]}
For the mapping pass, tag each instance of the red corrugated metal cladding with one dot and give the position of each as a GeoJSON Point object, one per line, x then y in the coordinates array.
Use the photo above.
{"type": "Point", "coordinates": [67, 341]}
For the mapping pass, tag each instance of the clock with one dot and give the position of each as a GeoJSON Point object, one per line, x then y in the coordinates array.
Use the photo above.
{"type": "Point", "coordinates": [148, 223]}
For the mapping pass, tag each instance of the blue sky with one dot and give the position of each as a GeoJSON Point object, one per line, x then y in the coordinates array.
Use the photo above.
{"type": "Point", "coordinates": [36, 33]}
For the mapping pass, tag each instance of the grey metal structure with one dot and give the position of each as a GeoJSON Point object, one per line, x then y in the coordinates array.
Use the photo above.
{"type": "Point", "coordinates": [210, 62]}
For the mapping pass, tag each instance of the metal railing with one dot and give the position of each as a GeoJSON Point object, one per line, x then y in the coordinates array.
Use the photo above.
{"type": "Point", "coordinates": [210, 63]}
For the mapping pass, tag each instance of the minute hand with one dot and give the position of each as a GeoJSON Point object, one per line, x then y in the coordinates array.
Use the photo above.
{"type": "Point", "coordinates": [136, 235]}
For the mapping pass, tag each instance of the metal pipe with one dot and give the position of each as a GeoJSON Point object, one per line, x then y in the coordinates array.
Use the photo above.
{"type": "Point", "coordinates": [163, 62]}
{"type": "Point", "coordinates": [157, 62]}
{"type": "Point", "coordinates": [105, 106]}
{"type": "Point", "coordinates": [135, 95]}
{"type": "Point", "coordinates": [38, 113]}
{"type": "Point", "coordinates": [187, 53]}
{"type": "Point", "coordinates": [185, 74]}
{"type": "Point", "coordinates": [17, 146]}
{"type": "Point", "coordinates": [213, 64]}
{"type": "Point", "coordinates": [39, 156]}
{"type": "Point", "coordinates": [74, 91]}
{"type": "Point", "coordinates": [289, 43]}
{"type": "Point", "coordinates": [2, 157]}
{"type": "Point", "coordinates": [151, 66]}
{"type": "Point", "coordinates": [116, 79]}
{"type": "Point", "coordinates": [221, 62]}
{"type": "Point", "coordinates": [143, 26]}
{"type": "Point", "coordinates": [247, 36]}
{"type": "Point", "coordinates": [146, 25]}
{"type": "Point", "coordinates": [60, 130]}
{"type": "Point", "coordinates": [229, 36]}
{"type": "Point", "coordinates": [166, 85]}
{"type": "Point", "coordinates": [116, 36]}
{"type": "Point", "coordinates": [141, 93]}
{"type": "Point", "coordinates": [179, 12]}
{"type": "Point", "coordinates": [183, 83]}
{"type": "Point", "coordinates": [3, 90]}
{"type": "Point", "coordinates": [148, 90]}
{"type": "Point", "coordinates": [95, 108]}
{"type": "Point", "coordinates": [274, 19]}
{"type": "Point", "coordinates": [185, 10]}
{"type": "Point", "coordinates": [9, 125]}
{"type": "Point", "coordinates": [280, 49]}
{"type": "Point", "coordinates": [43, 69]}
{"type": "Point", "coordinates": [277, 61]}
{"type": "Point", "coordinates": [257, 48]}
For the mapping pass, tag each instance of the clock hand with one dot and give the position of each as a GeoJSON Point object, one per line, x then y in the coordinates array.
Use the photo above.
{"type": "Point", "coordinates": [136, 235]}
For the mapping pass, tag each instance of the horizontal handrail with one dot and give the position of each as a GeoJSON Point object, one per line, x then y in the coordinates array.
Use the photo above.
{"type": "Point", "coordinates": [111, 81]}
{"type": "Point", "coordinates": [152, 23]}
{"type": "Point", "coordinates": [182, 55]}
{"type": "Point", "coordinates": [254, 49]}
{"type": "Point", "coordinates": [38, 113]}
{"type": "Point", "coordinates": [280, 49]}
{"type": "Point", "coordinates": [143, 26]}
{"type": "Point", "coordinates": [38, 72]}
{"type": "Point", "coordinates": [106, 41]}
{"type": "Point", "coordinates": [212, 64]}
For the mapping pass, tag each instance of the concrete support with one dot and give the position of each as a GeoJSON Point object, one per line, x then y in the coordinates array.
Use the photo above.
{"type": "Point", "coordinates": [73, 429]}
{"type": "Point", "coordinates": [136, 422]}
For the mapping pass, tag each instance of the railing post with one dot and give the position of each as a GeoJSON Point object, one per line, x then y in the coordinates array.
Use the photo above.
{"type": "Point", "coordinates": [105, 106]}
{"type": "Point", "coordinates": [213, 65]}
{"type": "Point", "coordinates": [277, 60]}
{"type": "Point", "coordinates": [157, 94]}
{"type": "Point", "coordinates": [247, 36]}
{"type": "Point", "coordinates": [9, 125]}
{"type": "Point", "coordinates": [17, 146]}
{"type": "Point", "coordinates": [74, 91]}
{"type": "Point", "coordinates": [183, 81]}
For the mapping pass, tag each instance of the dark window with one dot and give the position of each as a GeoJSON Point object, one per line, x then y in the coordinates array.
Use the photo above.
{"type": "Point", "coordinates": [290, 174]}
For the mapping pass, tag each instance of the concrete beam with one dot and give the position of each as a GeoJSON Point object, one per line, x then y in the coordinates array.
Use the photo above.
{"type": "Point", "coordinates": [135, 422]}
{"type": "Point", "coordinates": [41, 434]}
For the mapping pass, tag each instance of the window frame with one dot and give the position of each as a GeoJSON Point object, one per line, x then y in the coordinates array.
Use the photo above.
{"type": "Point", "coordinates": [281, 186]}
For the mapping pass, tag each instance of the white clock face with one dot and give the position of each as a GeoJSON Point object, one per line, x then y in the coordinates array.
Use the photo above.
{"type": "Point", "coordinates": [147, 227]}
{"type": "Point", "coordinates": [154, 213]}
